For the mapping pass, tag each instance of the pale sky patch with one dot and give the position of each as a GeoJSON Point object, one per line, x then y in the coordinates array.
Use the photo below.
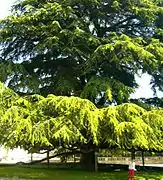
{"type": "Point", "coordinates": [144, 90]}
{"type": "Point", "coordinates": [5, 7]}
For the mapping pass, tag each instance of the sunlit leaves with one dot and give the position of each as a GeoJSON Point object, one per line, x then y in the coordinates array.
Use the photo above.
{"type": "Point", "coordinates": [37, 121]}
{"type": "Point", "coordinates": [129, 126]}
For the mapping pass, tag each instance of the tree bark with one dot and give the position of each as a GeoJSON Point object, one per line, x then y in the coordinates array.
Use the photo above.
{"type": "Point", "coordinates": [143, 160]}
{"type": "Point", "coordinates": [74, 158]}
{"type": "Point", "coordinates": [96, 161]}
{"type": "Point", "coordinates": [133, 155]}
{"type": "Point", "coordinates": [48, 158]}
{"type": "Point", "coordinates": [89, 161]}
{"type": "Point", "coordinates": [31, 156]}
{"type": "Point", "coordinates": [56, 155]}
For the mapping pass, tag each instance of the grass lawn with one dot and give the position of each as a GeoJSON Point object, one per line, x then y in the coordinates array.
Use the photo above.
{"type": "Point", "coordinates": [53, 174]}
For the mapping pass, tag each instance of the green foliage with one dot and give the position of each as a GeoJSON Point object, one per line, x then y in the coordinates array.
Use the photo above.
{"type": "Point", "coordinates": [126, 127]}
{"type": "Point", "coordinates": [132, 127]}
{"type": "Point", "coordinates": [7, 97]}
{"type": "Point", "coordinates": [47, 121]}
{"type": "Point", "coordinates": [155, 119]}
{"type": "Point", "coordinates": [148, 104]}
{"type": "Point", "coordinates": [98, 87]}
{"type": "Point", "coordinates": [90, 49]}
{"type": "Point", "coordinates": [72, 119]}
{"type": "Point", "coordinates": [36, 122]}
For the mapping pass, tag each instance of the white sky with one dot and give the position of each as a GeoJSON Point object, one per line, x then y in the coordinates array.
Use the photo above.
{"type": "Point", "coordinates": [143, 91]}
{"type": "Point", "coordinates": [5, 7]}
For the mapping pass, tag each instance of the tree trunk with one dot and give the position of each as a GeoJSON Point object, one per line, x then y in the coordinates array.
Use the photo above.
{"type": "Point", "coordinates": [143, 160]}
{"type": "Point", "coordinates": [31, 157]}
{"type": "Point", "coordinates": [96, 161]}
{"type": "Point", "coordinates": [133, 155]}
{"type": "Point", "coordinates": [74, 158]}
{"type": "Point", "coordinates": [48, 158]}
{"type": "Point", "coordinates": [89, 161]}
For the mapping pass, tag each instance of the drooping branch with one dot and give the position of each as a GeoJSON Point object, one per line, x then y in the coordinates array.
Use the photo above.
{"type": "Point", "coordinates": [46, 151]}
{"type": "Point", "coordinates": [56, 155]}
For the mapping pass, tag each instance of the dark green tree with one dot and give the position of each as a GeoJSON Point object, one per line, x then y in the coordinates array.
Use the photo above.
{"type": "Point", "coordinates": [149, 103]}
{"type": "Point", "coordinates": [84, 48]}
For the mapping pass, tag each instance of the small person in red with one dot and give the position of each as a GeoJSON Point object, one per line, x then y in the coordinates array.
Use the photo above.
{"type": "Point", "coordinates": [131, 170]}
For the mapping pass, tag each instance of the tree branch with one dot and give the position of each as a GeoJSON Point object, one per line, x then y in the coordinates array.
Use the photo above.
{"type": "Point", "coordinates": [46, 151]}
{"type": "Point", "coordinates": [56, 155]}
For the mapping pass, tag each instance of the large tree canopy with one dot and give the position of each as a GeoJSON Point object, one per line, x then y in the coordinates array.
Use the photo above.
{"type": "Point", "coordinates": [74, 125]}
{"type": "Point", "coordinates": [91, 49]}
{"type": "Point", "coordinates": [53, 121]}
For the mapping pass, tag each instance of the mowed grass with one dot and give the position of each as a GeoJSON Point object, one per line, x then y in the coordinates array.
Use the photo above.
{"type": "Point", "coordinates": [54, 174]}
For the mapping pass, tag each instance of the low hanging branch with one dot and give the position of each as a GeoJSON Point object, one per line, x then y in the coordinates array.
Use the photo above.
{"type": "Point", "coordinates": [46, 151]}
{"type": "Point", "coordinates": [56, 155]}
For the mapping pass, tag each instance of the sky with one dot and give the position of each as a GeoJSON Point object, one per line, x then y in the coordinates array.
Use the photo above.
{"type": "Point", "coordinates": [4, 7]}
{"type": "Point", "coordinates": [144, 90]}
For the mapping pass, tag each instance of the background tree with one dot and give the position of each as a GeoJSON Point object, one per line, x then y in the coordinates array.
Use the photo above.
{"type": "Point", "coordinates": [82, 48]}
{"type": "Point", "coordinates": [149, 103]}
